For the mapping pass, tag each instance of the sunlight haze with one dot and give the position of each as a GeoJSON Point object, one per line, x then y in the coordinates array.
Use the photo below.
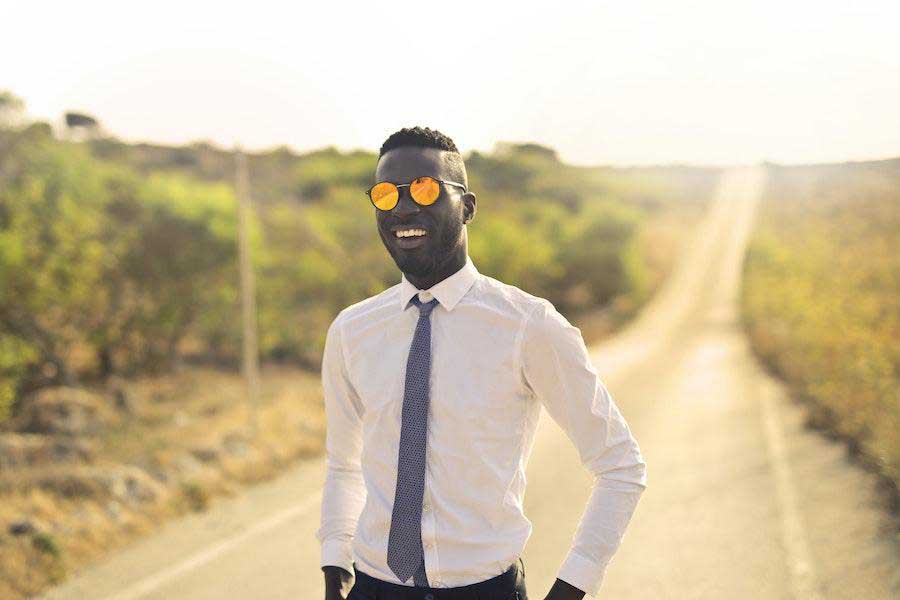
{"type": "Point", "coordinates": [602, 83]}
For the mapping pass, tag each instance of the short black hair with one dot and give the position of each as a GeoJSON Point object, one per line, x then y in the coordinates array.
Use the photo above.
{"type": "Point", "coordinates": [418, 136]}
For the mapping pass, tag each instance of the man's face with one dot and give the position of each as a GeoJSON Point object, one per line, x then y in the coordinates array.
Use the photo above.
{"type": "Point", "coordinates": [442, 221]}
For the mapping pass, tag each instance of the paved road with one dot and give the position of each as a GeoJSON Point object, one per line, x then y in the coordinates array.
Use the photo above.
{"type": "Point", "coordinates": [742, 502]}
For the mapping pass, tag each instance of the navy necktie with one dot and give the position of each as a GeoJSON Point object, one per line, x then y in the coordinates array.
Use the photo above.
{"type": "Point", "coordinates": [405, 555]}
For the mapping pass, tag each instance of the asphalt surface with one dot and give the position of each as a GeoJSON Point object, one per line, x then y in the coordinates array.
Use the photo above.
{"type": "Point", "coordinates": [742, 501]}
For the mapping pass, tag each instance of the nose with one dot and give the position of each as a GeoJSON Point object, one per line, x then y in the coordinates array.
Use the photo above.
{"type": "Point", "coordinates": [406, 206]}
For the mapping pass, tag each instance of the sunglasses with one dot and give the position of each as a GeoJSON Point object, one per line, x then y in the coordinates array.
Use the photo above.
{"type": "Point", "coordinates": [424, 190]}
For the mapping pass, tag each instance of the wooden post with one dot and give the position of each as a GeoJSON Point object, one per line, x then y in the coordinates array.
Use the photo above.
{"type": "Point", "coordinates": [250, 353]}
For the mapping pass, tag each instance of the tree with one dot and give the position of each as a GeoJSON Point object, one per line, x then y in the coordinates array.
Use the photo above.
{"type": "Point", "coordinates": [12, 110]}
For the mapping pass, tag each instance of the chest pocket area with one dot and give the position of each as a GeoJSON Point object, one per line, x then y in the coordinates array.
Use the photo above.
{"type": "Point", "coordinates": [377, 368]}
{"type": "Point", "coordinates": [484, 398]}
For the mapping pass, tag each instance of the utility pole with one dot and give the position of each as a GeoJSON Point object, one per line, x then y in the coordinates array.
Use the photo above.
{"type": "Point", "coordinates": [250, 353]}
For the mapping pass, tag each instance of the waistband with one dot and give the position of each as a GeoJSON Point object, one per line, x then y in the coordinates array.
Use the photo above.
{"type": "Point", "coordinates": [504, 583]}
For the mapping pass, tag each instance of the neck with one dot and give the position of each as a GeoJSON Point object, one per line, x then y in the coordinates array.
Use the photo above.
{"type": "Point", "coordinates": [443, 271]}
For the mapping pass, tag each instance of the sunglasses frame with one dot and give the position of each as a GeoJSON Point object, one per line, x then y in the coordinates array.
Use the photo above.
{"type": "Point", "coordinates": [400, 185]}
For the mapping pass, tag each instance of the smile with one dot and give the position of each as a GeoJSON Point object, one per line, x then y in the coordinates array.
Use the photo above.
{"type": "Point", "coordinates": [409, 233]}
{"type": "Point", "coordinates": [408, 239]}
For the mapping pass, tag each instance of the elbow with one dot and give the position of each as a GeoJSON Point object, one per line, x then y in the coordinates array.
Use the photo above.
{"type": "Point", "coordinates": [622, 463]}
{"type": "Point", "coordinates": [633, 475]}
{"type": "Point", "coordinates": [641, 469]}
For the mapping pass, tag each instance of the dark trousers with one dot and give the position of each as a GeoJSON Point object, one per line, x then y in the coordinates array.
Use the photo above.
{"type": "Point", "coordinates": [506, 586]}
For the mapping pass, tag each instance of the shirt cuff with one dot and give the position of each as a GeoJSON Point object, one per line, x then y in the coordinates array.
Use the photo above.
{"type": "Point", "coordinates": [584, 574]}
{"type": "Point", "coordinates": [337, 554]}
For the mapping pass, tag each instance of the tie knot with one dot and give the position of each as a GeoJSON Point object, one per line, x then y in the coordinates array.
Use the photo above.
{"type": "Point", "coordinates": [426, 308]}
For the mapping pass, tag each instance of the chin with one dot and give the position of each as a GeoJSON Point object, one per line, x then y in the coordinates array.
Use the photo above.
{"type": "Point", "coordinates": [420, 266]}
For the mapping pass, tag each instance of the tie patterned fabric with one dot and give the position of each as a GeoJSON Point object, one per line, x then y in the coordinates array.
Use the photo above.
{"type": "Point", "coordinates": [405, 555]}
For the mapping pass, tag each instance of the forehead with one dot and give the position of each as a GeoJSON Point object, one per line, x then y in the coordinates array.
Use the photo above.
{"type": "Point", "coordinates": [405, 163]}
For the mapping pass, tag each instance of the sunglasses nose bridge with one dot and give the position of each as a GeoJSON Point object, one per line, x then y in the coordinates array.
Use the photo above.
{"type": "Point", "coordinates": [405, 203]}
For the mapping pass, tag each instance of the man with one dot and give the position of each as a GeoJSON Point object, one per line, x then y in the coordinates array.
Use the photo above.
{"type": "Point", "coordinates": [433, 390]}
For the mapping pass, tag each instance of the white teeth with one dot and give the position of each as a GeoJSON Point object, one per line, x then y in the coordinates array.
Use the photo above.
{"type": "Point", "coordinates": [409, 232]}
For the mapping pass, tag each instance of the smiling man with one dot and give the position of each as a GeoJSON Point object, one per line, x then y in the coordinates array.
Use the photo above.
{"type": "Point", "coordinates": [433, 389]}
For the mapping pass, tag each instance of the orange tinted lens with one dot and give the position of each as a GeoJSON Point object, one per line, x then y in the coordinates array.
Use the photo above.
{"type": "Point", "coordinates": [385, 195]}
{"type": "Point", "coordinates": [425, 190]}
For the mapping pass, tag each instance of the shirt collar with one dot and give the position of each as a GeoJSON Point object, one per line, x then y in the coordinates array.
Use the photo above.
{"type": "Point", "coordinates": [448, 292]}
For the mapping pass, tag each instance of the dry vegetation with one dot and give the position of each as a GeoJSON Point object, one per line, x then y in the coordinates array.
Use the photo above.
{"type": "Point", "coordinates": [177, 442]}
{"type": "Point", "coordinates": [822, 301]}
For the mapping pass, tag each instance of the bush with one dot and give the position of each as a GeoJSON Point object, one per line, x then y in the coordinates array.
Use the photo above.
{"type": "Point", "coordinates": [821, 298]}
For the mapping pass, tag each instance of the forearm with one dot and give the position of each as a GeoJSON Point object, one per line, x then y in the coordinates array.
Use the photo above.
{"type": "Point", "coordinates": [600, 532]}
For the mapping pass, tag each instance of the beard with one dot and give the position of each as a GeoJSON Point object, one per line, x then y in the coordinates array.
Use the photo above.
{"type": "Point", "coordinates": [423, 264]}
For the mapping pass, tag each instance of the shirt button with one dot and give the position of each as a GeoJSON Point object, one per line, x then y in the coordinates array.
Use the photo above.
{"type": "Point", "coordinates": [426, 507]}
{"type": "Point", "coordinates": [425, 296]}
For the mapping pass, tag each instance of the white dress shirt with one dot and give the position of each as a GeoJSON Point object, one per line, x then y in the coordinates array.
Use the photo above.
{"type": "Point", "coordinates": [498, 355]}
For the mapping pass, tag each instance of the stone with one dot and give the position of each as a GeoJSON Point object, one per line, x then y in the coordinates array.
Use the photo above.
{"type": "Point", "coordinates": [20, 450]}
{"type": "Point", "coordinates": [126, 483]}
{"type": "Point", "coordinates": [206, 453]}
{"type": "Point", "coordinates": [123, 399]}
{"type": "Point", "coordinates": [236, 444]}
{"type": "Point", "coordinates": [65, 410]}
{"type": "Point", "coordinates": [22, 527]}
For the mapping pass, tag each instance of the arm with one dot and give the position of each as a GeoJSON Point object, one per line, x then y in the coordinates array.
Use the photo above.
{"type": "Point", "coordinates": [344, 492]}
{"type": "Point", "coordinates": [558, 370]}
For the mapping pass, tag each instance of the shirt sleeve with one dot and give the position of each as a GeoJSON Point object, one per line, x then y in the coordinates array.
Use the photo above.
{"type": "Point", "coordinates": [558, 370]}
{"type": "Point", "coordinates": [344, 492]}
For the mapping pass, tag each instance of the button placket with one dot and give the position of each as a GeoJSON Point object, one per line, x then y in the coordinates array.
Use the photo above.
{"type": "Point", "coordinates": [428, 541]}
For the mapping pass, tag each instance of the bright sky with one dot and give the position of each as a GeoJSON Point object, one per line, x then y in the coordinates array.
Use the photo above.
{"type": "Point", "coordinates": [601, 82]}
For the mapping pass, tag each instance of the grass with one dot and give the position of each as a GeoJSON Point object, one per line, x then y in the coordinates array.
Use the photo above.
{"type": "Point", "coordinates": [46, 543]}
{"type": "Point", "coordinates": [821, 301]}
{"type": "Point", "coordinates": [87, 526]}
{"type": "Point", "coordinates": [196, 495]}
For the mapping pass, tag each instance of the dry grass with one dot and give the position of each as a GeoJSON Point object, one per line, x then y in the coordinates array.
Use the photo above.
{"type": "Point", "coordinates": [187, 435]}
{"type": "Point", "coordinates": [821, 300]}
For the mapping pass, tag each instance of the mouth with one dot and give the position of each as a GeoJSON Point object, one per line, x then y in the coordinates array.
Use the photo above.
{"type": "Point", "coordinates": [408, 238]}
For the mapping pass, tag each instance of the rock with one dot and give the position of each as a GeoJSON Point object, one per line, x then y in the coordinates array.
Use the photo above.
{"type": "Point", "coordinates": [123, 482]}
{"type": "Point", "coordinates": [131, 484]}
{"type": "Point", "coordinates": [22, 527]}
{"type": "Point", "coordinates": [236, 444]}
{"type": "Point", "coordinates": [73, 450]}
{"type": "Point", "coordinates": [206, 453]}
{"type": "Point", "coordinates": [19, 450]}
{"type": "Point", "coordinates": [123, 399]}
{"type": "Point", "coordinates": [141, 487]}
{"type": "Point", "coordinates": [65, 410]}
{"type": "Point", "coordinates": [114, 510]}
{"type": "Point", "coordinates": [76, 483]}
{"type": "Point", "coordinates": [186, 465]}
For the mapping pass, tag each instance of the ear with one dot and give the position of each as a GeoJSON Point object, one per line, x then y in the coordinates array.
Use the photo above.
{"type": "Point", "coordinates": [468, 200]}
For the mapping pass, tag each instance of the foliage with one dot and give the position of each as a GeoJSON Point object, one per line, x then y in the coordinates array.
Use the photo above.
{"type": "Point", "coordinates": [102, 270]}
{"type": "Point", "coordinates": [822, 297]}
{"type": "Point", "coordinates": [119, 258]}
